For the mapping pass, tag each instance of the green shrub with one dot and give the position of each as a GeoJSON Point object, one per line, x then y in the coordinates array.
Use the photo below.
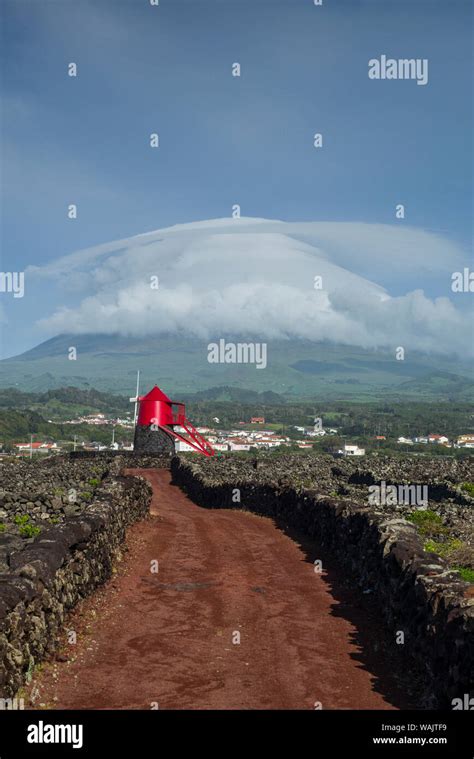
{"type": "Point", "coordinates": [2, 527]}
{"type": "Point", "coordinates": [29, 531]}
{"type": "Point", "coordinates": [22, 520]}
{"type": "Point", "coordinates": [428, 522]}
{"type": "Point", "coordinates": [466, 573]}
{"type": "Point", "coordinates": [94, 483]}
{"type": "Point", "coordinates": [443, 549]}
{"type": "Point", "coordinates": [454, 551]}
{"type": "Point", "coordinates": [468, 487]}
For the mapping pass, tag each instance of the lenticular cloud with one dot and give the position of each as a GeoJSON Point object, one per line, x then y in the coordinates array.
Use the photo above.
{"type": "Point", "coordinates": [312, 280]}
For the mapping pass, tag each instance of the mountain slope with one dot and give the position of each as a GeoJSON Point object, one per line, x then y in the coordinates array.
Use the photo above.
{"type": "Point", "coordinates": [295, 368]}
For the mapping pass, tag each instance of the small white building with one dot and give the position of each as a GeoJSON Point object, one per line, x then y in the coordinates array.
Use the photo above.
{"type": "Point", "coordinates": [37, 447]}
{"type": "Point", "coordinates": [269, 442]}
{"type": "Point", "coordinates": [220, 446]}
{"type": "Point", "coordinates": [440, 439]}
{"type": "Point", "coordinates": [352, 450]}
{"type": "Point", "coordinates": [182, 447]}
{"type": "Point", "coordinates": [465, 441]}
{"type": "Point", "coordinates": [238, 444]}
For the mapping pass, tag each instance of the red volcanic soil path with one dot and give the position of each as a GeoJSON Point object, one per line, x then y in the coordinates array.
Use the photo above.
{"type": "Point", "coordinates": [169, 640]}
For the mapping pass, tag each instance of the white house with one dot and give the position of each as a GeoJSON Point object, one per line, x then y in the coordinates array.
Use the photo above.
{"type": "Point", "coordinates": [37, 447]}
{"type": "Point", "coordinates": [441, 439]}
{"type": "Point", "coordinates": [466, 441]}
{"type": "Point", "coordinates": [238, 444]}
{"type": "Point", "coordinates": [269, 442]}
{"type": "Point", "coordinates": [220, 446]}
{"type": "Point", "coordinates": [352, 450]}
{"type": "Point", "coordinates": [182, 447]}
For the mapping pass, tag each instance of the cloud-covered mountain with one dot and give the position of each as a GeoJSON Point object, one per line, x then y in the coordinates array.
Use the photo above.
{"type": "Point", "coordinates": [256, 277]}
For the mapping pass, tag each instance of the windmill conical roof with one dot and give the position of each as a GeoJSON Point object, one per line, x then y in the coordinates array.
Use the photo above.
{"type": "Point", "coordinates": [156, 394]}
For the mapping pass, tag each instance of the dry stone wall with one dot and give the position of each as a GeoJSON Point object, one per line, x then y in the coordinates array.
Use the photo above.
{"type": "Point", "coordinates": [42, 578]}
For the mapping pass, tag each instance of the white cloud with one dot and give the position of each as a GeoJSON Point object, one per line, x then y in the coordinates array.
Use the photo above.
{"type": "Point", "coordinates": [256, 277]}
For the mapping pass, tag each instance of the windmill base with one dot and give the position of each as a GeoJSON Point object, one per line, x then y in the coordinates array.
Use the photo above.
{"type": "Point", "coordinates": [152, 441]}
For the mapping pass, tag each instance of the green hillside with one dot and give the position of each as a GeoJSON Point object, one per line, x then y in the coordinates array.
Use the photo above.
{"type": "Point", "coordinates": [295, 369]}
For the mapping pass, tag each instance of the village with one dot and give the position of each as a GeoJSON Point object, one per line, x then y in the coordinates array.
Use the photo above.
{"type": "Point", "coordinates": [245, 436]}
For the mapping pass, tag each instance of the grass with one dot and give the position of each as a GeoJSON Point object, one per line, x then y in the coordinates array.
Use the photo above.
{"type": "Point", "coordinates": [466, 573]}
{"type": "Point", "coordinates": [428, 522]}
{"type": "Point", "coordinates": [21, 520]}
{"type": "Point", "coordinates": [430, 526]}
{"type": "Point", "coordinates": [468, 487]}
{"type": "Point", "coordinates": [445, 550]}
{"type": "Point", "coordinates": [29, 531]}
{"type": "Point", "coordinates": [26, 530]}
{"type": "Point", "coordinates": [2, 527]}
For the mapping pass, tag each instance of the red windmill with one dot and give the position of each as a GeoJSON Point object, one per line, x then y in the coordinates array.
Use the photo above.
{"type": "Point", "coordinates": [157, 412]}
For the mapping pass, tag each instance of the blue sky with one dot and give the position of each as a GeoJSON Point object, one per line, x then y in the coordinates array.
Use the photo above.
{"type": "Point", "coordinates": [225, 140]}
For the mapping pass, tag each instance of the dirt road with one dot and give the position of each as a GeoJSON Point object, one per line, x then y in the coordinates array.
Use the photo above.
{"type": "Point", "coordinates": [235, 617]}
